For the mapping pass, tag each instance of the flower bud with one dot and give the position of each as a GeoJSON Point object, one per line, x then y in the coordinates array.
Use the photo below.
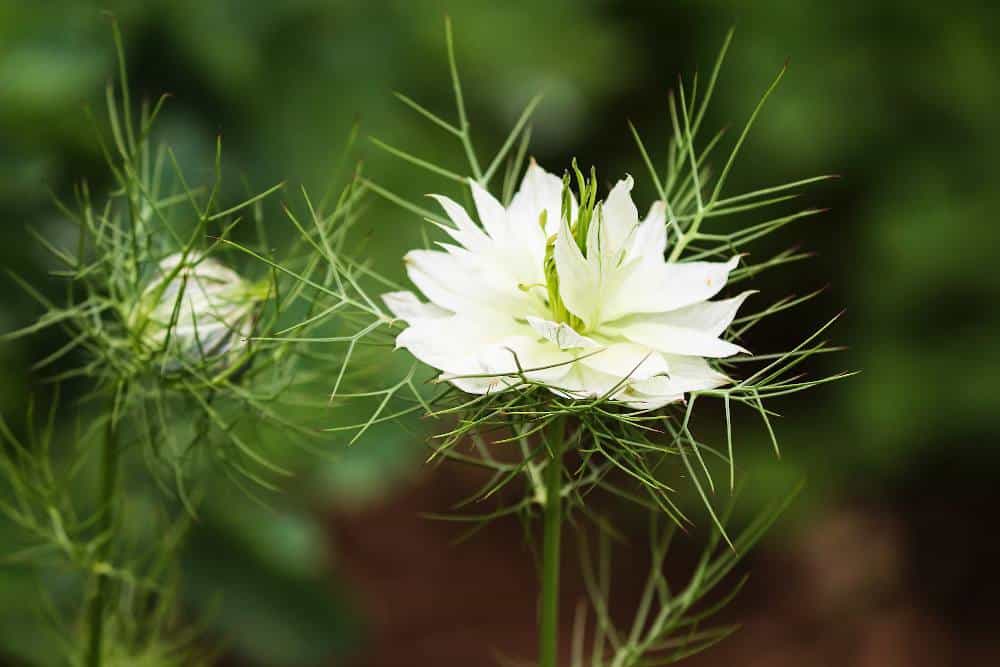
{"type": "Point", "coordinates": [197, 312]}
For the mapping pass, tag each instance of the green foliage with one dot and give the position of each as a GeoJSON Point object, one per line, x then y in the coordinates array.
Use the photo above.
{"type": "Point", "coordinates": [152, 213]}
{"type": "Point", "coordinates": [521, 434]}
{"type": "Point", "coordinates": [668, 624]}
{"type": "Point", "coordinates": [907, 121]}
{"type": "Point", "coordinates": [161, 414]}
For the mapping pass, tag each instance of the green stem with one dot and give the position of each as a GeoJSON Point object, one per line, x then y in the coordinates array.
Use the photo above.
{"type": "Point", "coordinates": [548, 636]}
{"type": "Point", "coordinates": [109, 486]}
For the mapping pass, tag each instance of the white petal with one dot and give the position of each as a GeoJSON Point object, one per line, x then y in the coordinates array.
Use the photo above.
{"type": "Point", "coordinates": [627, 360]}
{"type": "Point", "coordinates": [579, 280]}
{"type": "Point", "coordinates": [642, 401]}
{"type": "Point", "coordinates": [537, 360]}
{"type": "Point", "coordinates": [439, 276]}
{"type": "Point", "coordinates": [491, 213]}
{"type": "Point", "coordinates": [465, 231]}
{"type": "Point", "coordinates": [539, 191]}
{"type": "Point", "coordinates": [650, 239]}
{"type": "Point", "coordinates": [511, 254]}
{"type": "Point", "coordinates": [619, 218]}
{"type": "Point", "coordinates": [211, 270]}
{"type": "Point", "coordinates": [671, 339]}
{"type": "Point", "coordinates": [201, 305]}
{"type": "Point", "coordinates": [561, 334]}
{"type": "Point", "coordinates": [406, 306]}
{"type": "Point", "coordinates": [691, 282]}
{"type": "Point", "coordinates": [461, 281]}
{"type": "Point", "coordinates": [690, 374]}
{"type": "Point", "coordinates": [479, 385]}
{"type": "Point", "coordinates": [654, 286]}
{"type": "Point", "coordinates": [711, 317]}
{"type": "Point", "coordinates": [695, 372]}
{"type": "Point", "coordinates": [687, 374]}
{"type": "Point", "coordinates": [480, 355]}
{"type": "Point", "coordinates": [456, 344]}
{"type": "Point", "coordinates": [583, 382]}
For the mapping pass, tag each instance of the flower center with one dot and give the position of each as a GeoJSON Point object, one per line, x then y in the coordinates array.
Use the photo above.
{"type": "Point", "coordinates": [579, 227]}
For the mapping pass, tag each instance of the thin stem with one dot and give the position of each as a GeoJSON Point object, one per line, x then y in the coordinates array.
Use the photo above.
{"type": "Point", "coordinates": [548, 636]}
{"type": "Point", "coordinates": [463, 120]}
{"type": "Point", "coordinates": [110, 465]}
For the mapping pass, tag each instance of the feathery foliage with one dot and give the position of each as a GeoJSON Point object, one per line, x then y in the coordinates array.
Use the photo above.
{"type": "Point", "coordinates": [156, 409]}
{"type": "Point", "coordinates": [604, 448]}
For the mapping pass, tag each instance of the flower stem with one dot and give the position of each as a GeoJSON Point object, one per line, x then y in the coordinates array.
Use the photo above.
{"type": "Point", "coordinates": [548, 636]}
{"type": "Point", "coordinates": [110, 463]}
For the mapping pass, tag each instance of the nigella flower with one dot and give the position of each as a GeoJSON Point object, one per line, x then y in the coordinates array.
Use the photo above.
{"type": "Point", "coordinates": [577, 296]}
{"type": "Point", "coordinates": [196, 311]}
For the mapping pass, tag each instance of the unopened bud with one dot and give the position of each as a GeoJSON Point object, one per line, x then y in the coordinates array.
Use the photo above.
{"type": "Point", "coordinates": [196, 312]}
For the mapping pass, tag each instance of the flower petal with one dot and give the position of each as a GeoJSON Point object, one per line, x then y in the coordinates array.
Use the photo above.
{"type": "Point", "coordinates": [643, 401]}
{"type": "Point", "coordinates": [456, 344]}
{"type": "Point", "coordinates": [561, 334]}
{"type": "Point", "coordinates": [685, 283]}
{"type": "Point", "coordinates": [491, 212]}
{"type": "Point", "coordinates": [687, 374]}
{"type": "Point", "coordinates": [579, 280]}
{"type": "Point", "coordinates": [627, 360]}
{"type": "Point", "coordinates": [465, 232]}
{"type": "Point", "coordinates": [438, 275]}
{"type": "Point", "coordinates": [508, 252]}
{"type": "Point", "coordinates": [479, 385]}
{"type": "Point", "coordinates": [649, 285]}
{"type": "Point", "coordinates": [584, 382]}
{"type": "Point", "coordinates": [650, 239]}
{"type": "Point", "coordinates": [539, 191]}
{"type": "Point", "coordinates": [540, 361]}
{"type": "Point", "coordinates": [671, 339]}
{"type": "Point", "coordinates": [618, 219]}
{"type": "Point", "coordinates": [711, 317]}
{"type": "Point", "coordinates": [461, 281]}
{"type": "Point", "coordinates": [406, 306]}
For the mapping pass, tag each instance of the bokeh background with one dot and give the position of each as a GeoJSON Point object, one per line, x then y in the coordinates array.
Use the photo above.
{"type": "Point", "coordinates": [887, 558]}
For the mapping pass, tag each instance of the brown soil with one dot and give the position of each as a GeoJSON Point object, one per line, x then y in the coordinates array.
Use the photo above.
{"type": "Point", "coordinates": [836, 595]}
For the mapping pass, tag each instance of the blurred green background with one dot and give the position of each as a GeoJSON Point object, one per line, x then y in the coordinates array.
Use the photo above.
{"type": "Point", "coordinates": [899, 98]}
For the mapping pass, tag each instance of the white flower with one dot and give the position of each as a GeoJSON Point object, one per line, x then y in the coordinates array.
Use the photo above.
{"type": "Point", "coordinates": [196, 312]}
{"type": "Point", "coordinates": [585, 304]}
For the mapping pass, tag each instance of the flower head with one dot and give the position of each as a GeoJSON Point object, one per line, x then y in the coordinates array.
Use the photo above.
{"type": "Point", "coordinates": [574, 295]}
{"type": "Point", "coordinates": [195, 310]}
